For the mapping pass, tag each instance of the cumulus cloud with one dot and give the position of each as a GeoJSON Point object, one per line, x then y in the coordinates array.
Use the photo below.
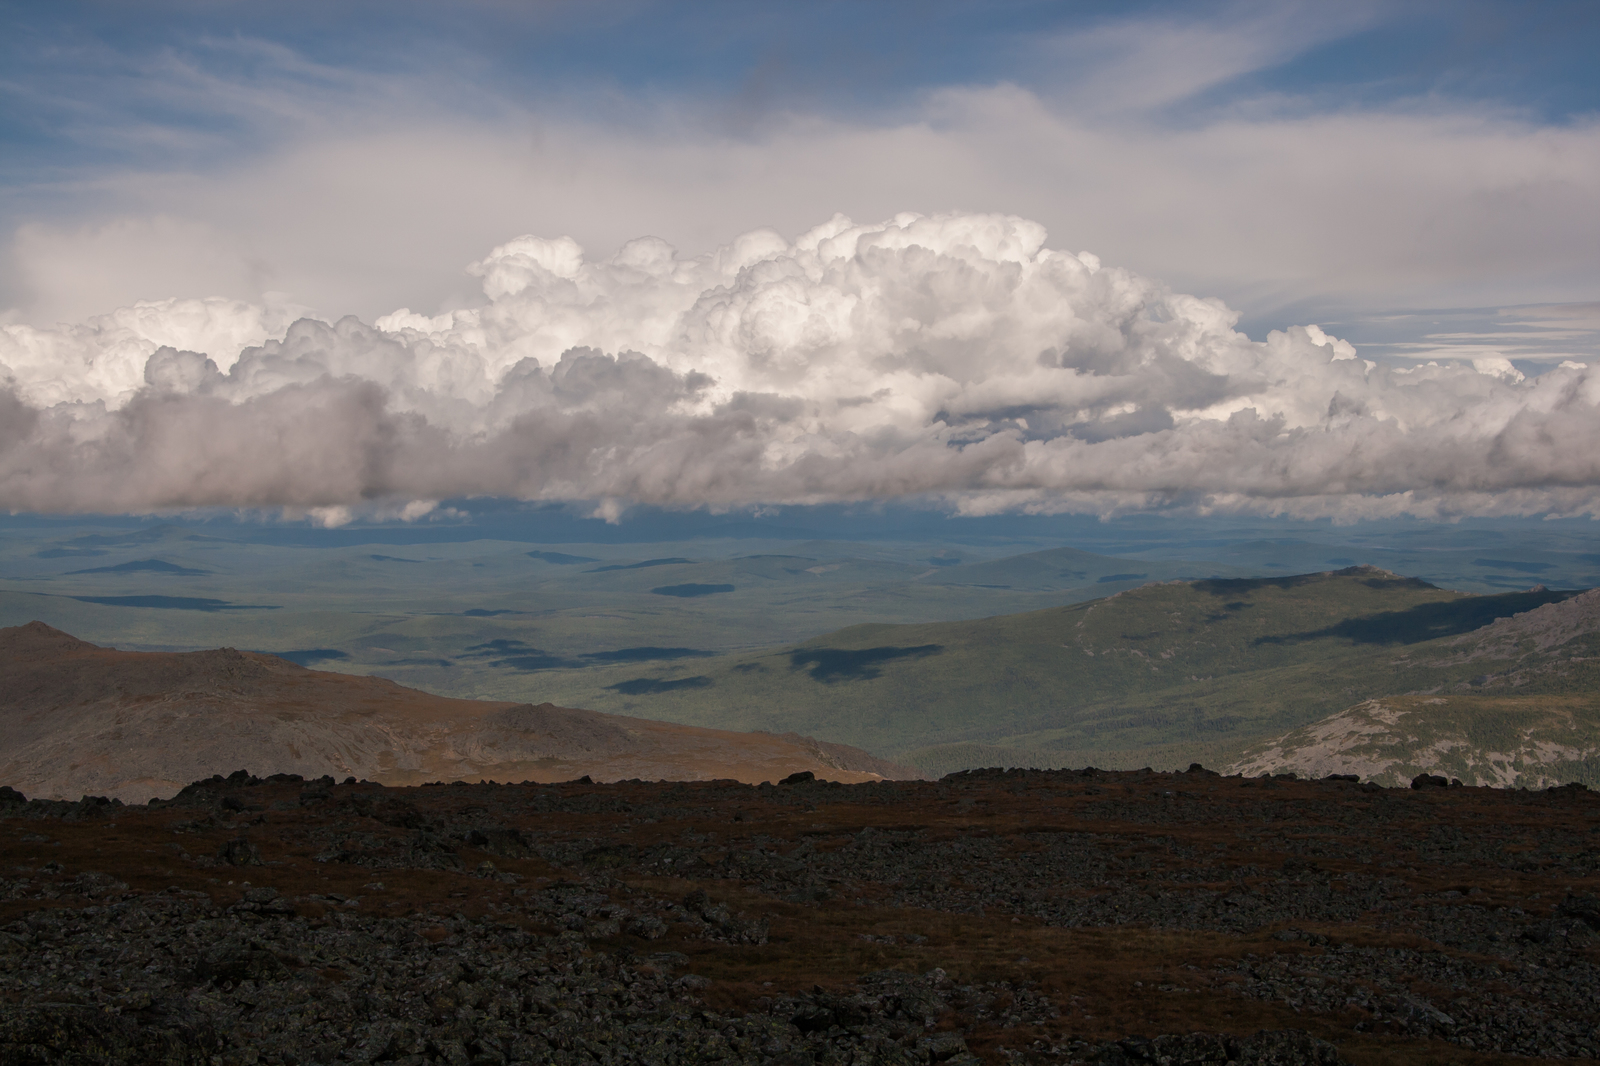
{"type": "Point", "coordinates": [953, 356]}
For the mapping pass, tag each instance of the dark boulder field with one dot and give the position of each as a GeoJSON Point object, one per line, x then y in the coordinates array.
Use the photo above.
{"type": "Point", "coordinates": [992, 916]}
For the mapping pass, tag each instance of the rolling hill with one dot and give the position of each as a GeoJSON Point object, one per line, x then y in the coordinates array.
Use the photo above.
{"type": "Point", "coordinates": [77, 719]}
{"type": "Point", "coordinates": [1162, 674]}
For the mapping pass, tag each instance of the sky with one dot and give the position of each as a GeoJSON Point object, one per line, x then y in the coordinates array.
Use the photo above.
{"type": "Point", "coordinates": [1306, 259]}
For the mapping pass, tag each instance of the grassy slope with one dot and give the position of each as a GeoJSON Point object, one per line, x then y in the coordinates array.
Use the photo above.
{"type": "Point", "coordinates": [1162, 672]}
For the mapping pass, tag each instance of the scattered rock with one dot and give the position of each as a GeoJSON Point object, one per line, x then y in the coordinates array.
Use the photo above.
{"type": "Point", "coordinates": [239, 852]}
{"type": "Point", "coordinates": [94, 971]}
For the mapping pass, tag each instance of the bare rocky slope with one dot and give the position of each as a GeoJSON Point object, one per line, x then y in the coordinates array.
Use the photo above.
{"type": "Point", "coordinates": [1505, 742]}
{"type": "Point", "coordinates": [78, 719]}
{"type": "Point", "coordinates": [1490, 730]}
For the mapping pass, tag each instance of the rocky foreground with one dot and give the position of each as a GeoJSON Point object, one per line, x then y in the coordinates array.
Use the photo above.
{"type": "Point", "coordinates": [999, 916]}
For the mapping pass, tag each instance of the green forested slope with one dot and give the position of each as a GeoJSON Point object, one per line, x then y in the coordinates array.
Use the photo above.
{"type": "Point", "coordinates": [1171, 670]}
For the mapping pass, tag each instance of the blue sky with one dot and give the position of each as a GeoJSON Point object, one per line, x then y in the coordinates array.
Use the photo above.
{"type": "Point", "coordinates": [838, 56]}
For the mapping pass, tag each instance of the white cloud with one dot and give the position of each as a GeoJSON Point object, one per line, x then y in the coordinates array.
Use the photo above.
{"type": "Point", "coordinates": [953, 356]}
{"type": "Point", "coordinates": [107, 357]}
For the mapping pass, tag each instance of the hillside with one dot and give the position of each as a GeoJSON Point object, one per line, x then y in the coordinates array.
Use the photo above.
{"type": "Point", "coordinates": [1162, 674]}
{"type": "Point", "coordinates": [79, 719]}
{"type": "Point", "coordinates": [1501, 741]}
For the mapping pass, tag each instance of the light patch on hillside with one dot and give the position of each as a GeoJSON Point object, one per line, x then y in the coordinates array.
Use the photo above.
{"type": "Point", "coordinates": [1505, 742]}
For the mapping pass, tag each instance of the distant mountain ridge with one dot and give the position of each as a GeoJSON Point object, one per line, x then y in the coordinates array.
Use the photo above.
{"type": "Point", "coordinates": [78, 719]}
{"type": "Point", "coordinates": [152, 566]}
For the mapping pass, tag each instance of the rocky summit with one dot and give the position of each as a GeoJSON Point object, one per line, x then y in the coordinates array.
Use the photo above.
{"type": "Point", "coordinates": [991, 916]}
